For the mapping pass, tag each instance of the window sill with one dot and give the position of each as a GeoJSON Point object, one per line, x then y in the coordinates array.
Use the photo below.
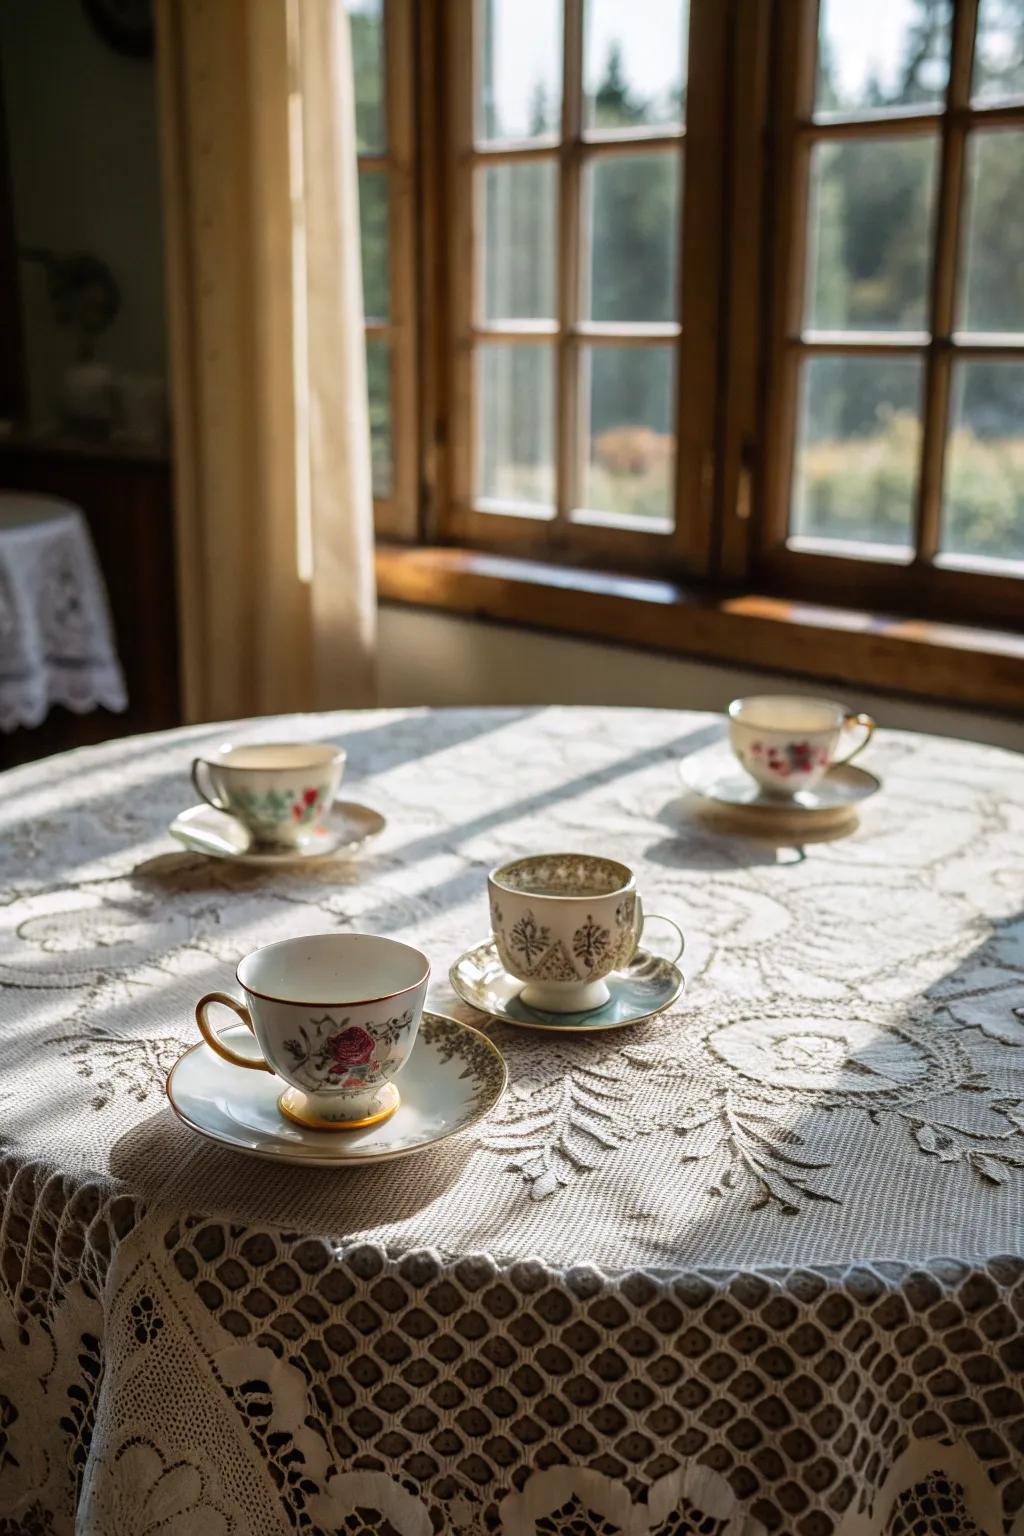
{"type": "Point", "coordinates": [954, 663]}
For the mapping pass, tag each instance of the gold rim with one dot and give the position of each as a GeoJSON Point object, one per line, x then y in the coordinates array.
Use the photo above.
{"type": "Point", "coordinates": [629, 884]}
{"type": "Point", "coordinates": [349, 1002]}
{"type": "Point", "coordinates": [311, 1123]}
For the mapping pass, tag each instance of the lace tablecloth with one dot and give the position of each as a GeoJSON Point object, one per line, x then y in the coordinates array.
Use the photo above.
{"type": "Point", "coordinates": [56, 643]}
{"type": "Point", "coordinates": [755, 1265]}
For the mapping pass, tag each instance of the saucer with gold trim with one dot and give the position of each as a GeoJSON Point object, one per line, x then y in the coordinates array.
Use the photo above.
{"type": "Point", "coordinates": [454, 1076]}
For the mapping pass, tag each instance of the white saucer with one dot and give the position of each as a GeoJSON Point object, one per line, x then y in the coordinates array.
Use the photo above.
{"type": "Point", "coordinates": [715, 775]}
{"type": "Point", "coordinates": [646, 987]}
{"type": "Point", "coordinates": [348, 827]}
{"type": "Point", "coordinates": [453, 1078]}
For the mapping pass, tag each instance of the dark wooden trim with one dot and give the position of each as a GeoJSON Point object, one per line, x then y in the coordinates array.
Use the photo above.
{"type": "Point", "coordinates": [941, 661]}
{"type": "Point", "coordinates": [965, 594]}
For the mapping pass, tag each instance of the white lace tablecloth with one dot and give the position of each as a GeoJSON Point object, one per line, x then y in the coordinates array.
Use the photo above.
{"type": "Point", "coordinates": [755, 1265]}
{"type": "Point", "coordinates": [56, 643]}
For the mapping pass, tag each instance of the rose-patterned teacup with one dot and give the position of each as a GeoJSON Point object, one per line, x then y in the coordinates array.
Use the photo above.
{"type": "Point", "coordinates": [281, 791]}
{"type": "Point", "coordinates": [787, 743]}
{"type": "Point", "coordinates": [335, 1015]}
{"type": "Point", "coordinates": [562, 922]}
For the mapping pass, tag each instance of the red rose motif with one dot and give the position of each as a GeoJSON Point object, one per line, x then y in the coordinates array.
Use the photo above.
{"type": "Point", "coordinates": [309, 796]}
{"type": "Point", "coordinates": [352, 1048]}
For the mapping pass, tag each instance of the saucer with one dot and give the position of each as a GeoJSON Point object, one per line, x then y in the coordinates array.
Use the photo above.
{"type": "Point", "coordinates": [348, 827]}
{"type": "Point", "coordinates": [647, 986]}
{"type": "Point", "coordinates": [716, 776]}
{"type": "Point", "coordinates": [453, 1078]}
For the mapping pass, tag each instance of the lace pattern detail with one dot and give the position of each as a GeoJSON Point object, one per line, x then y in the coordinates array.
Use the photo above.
{"type": "Point", "coordinates": [56, 638]}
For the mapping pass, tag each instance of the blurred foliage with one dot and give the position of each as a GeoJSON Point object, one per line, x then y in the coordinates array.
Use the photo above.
{"type": "Point", "coordinates": [863, 489]}
{"type": "Point", "coordinates": [367, 32]}
{"type": "Point", "coordinates": [378, 381]}
{"type": "Point", "coordinates": [366, 25]}
{"type": "Point", "coordinates": [999, 52]}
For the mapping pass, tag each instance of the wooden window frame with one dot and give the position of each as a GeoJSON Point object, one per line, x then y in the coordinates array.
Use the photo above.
{"type": "Point", "coordinates": [725, 587]}
{"type": "Point", "coordinates": [688, 547]}
{"type": "Point", "coordinates": [929, 583]}
{"type": "Point", "coordinates": [396, 516]}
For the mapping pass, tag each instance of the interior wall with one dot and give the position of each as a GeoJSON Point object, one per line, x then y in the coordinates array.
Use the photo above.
{"type": "Point", "coordinates": [85, 177]}
{"type": "Point", "coordinates": [431, 658]}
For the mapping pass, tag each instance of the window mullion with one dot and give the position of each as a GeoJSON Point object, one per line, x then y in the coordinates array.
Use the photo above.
{"type": "Point", "coordinates": [927, 533]}
{"type": "Point", "coordinates": [569, 240]}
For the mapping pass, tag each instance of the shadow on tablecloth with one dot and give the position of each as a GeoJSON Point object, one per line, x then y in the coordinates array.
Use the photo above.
{"type": "Point", "coordinates": [169, 1165]}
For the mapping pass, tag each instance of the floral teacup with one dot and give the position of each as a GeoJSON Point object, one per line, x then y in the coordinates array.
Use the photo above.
{"type": "Point", "coordinates": [335, 1016]}
{"type": "Point", "coordinates": [562, 922]}
{"type": "Point", "coordinates": [788, 743]}
{"type": "Point", "coordinates": [281, 791]}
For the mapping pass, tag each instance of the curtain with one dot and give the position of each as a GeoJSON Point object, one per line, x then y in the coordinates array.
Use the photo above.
{"type": "Point", "coordinates": [271, 436]}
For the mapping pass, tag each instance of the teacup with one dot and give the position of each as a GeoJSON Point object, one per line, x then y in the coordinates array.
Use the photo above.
{"type": "Point", "coordinates": [788, 743]}
{"type": "Point", "coordinates": [562, 922]}
{"type": "Point", "coordinates": [336, 1016]}
{"type": "Point", "coordinates": [281, 791]}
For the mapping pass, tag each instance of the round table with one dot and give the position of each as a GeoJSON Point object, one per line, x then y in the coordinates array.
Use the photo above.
{"type": "Point", "coordinates": [56, 641]}
{"type": "Point", "coordinates": [753, 1265]}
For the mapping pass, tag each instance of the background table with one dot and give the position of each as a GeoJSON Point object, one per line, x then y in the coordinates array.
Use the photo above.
{"type": "Point", "coordinates": [753, 1265]}
{"type": "Point", "coordinates": [56, 643]}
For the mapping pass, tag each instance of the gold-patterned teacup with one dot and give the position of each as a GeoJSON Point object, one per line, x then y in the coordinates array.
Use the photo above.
{"type": "Point", "coordinates": [562, 922]}
{"type": "Point", "coordinates": [335, 1015]}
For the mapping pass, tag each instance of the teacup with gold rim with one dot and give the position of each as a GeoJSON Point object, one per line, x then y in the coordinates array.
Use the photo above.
{"type": "Point", "coordinates": [335, 1016]}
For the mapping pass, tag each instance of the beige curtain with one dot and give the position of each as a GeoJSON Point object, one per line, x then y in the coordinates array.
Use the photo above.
{"type": "Point", "coordinates": [272, 459]}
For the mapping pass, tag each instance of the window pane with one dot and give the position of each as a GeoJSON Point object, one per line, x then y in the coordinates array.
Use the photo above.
{"type": "Point", "coordinates": [631, 217]}
{"type": "Point", "coordinates": [993, 292]}
{"type": "Point", "coordinates": [877, 55]}
{"type": "Point", "coordinates": [627, 397]}
{"type": "Point", "coordinates": [516, 459]}
{"type": "Point", "coordinates": [519, 68]}
{"type": "Point", "coordinates": [999, 51]}
{"type": "Point", "coordinates": [367, 24]}
{"type": "Point", "coordinates": [634, 64]}
{"type": "Point", "coordinates": [870, 228]}
{"type": "Point", "coordinates": [519, 240]}
{"type": "Point", "coordinates": [378, 383]}
{"type": "Point", "coordinates": [984, 482]}
{"type": "Point", "coordinates": [858, 449]}
{"type": "Point", "coordinates": [373, 230]}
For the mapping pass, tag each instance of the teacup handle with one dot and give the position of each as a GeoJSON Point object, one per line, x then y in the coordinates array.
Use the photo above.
{"type": "Point", "coordinates": [867, 725]}
{"type": "Point", "coordinates": [214, 1041]}
{"type": "Point", "coordinates": [201, 771]}
{"type": "Point", "coordinates": [643, 918]}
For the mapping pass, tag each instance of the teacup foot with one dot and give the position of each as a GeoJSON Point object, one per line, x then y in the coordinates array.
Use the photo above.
{"type": "Point", "coordinates": [565, 997]}
{"type": "Point", "coordinates": [296, 1106]}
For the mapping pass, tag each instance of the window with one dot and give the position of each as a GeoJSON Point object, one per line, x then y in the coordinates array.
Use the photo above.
{"type": "Point", "coordinates": [895, 429]}
{"type": "Point", "coordinates": [382, 58]}
{"type": "Point", "coordinates": [582, 348]}
{"type": "Point", "coordinates": [730, 292]}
